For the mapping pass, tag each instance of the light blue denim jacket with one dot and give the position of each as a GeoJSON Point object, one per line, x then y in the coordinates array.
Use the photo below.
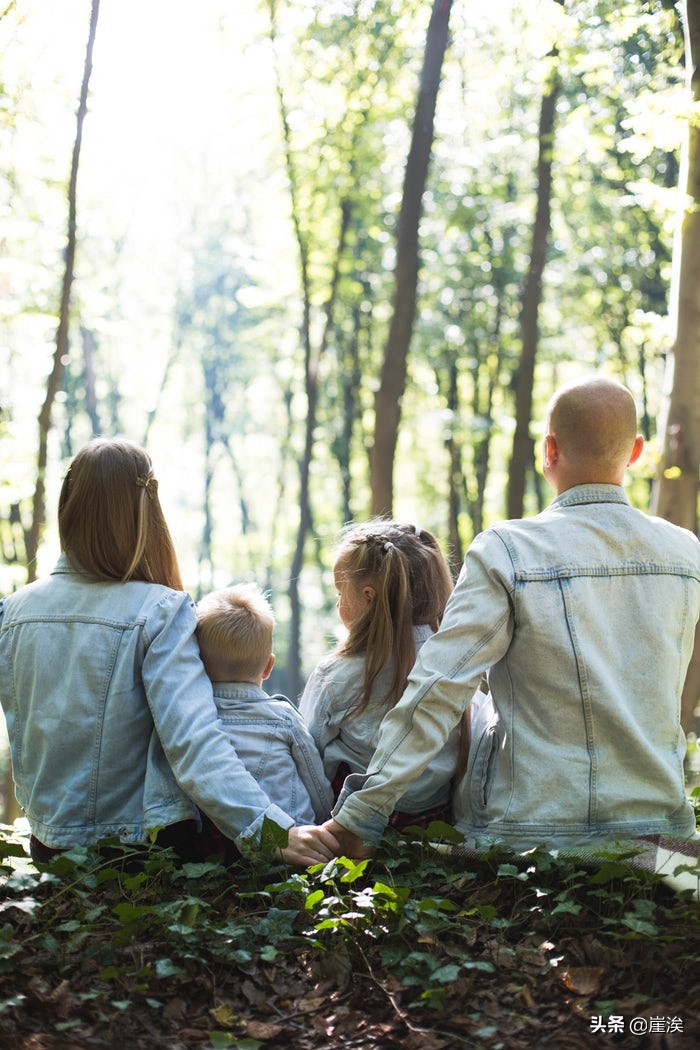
{"type": "Point", "coordinates": [272, 741]}
{"type": "Point", "coordinates": [111, 717]}
{"type": "Point", "coordinates": [333, 686]}
{"type": "Point", "coordinates": [584, 617]}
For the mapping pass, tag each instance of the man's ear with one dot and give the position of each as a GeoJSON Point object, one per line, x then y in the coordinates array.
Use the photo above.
{"type": "Point", "coordinates": [268, 667]}
{"type": "Point", "coordinates": [636, 450]}
{"type": "Point", "coordinates": [550, 450]}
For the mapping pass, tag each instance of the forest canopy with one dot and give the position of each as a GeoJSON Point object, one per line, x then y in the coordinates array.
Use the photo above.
{"type": "Point", "coordinates": [237, 202]}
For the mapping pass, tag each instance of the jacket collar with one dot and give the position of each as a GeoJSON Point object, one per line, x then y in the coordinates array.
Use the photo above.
{"type": "Point", "coordinates": [581, 494]}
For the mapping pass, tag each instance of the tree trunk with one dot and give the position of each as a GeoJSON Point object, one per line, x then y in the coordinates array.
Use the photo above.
{"type": "Point", "coordinates": [455, 485]}
{"type": "Point", "coordinates": [522, 455]}
{"type": "Point", "coordinates": [675, 494]}
{"type": "Point", "coordinates": [305, 517]}
{"type": "Point", "coordinates": [89, 347]}
{"type": "Point", "coordinates": [393, 374]}
{"type": "Point", "coordinates": [52, 385]}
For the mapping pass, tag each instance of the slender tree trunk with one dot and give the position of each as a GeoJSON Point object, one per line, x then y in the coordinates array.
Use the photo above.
{"type": "Point", "coordinates": [456, 479]}
{"type": "Point", "coordinates": [522, 454]}
{"type": "Point", "coordinates": [675, 494]}
{"type": "Point", "coordinates": [305, 517]}
{"type": "Point", "coordinates": [351, 377]}
{"type": "Point", "coordinates": [39, 503]}
{"type": "Point", "coordinates": [89, 346]}
{"type": "Point", "coordinates": [393, 374]}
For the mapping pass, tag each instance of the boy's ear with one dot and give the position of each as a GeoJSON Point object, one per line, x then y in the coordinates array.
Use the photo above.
{"type": "Point", "coordinates": [268, 667]}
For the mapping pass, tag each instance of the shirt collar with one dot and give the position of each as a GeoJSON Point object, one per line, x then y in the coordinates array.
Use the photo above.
{"type": "Point", "coordinates": [64, 565]}
{"type": "Point", "coordinates": [239, 691]}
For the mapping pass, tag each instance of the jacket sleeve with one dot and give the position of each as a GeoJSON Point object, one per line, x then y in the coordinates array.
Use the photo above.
{"type": "Point", "coordinates": [475, 633]}
{"type": "Point", "coordinates": [316, 708]}
{"type": "Point", "coordinates": [198, 750]}
{"type": "Point", "coordinates": [310, 767]}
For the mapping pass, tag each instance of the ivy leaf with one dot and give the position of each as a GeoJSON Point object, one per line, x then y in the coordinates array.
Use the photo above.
{"type": "Point", "coordinates": [167, 968]}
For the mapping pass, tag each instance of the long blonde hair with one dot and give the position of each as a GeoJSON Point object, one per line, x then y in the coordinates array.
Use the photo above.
{"type": "Point", "coordinates": [110, 520]}
{"type": "Point", "coordinates": [409, 574]}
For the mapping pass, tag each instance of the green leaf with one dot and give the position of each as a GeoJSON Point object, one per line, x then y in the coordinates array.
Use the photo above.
{"type": "Point", "coordinates": [313, 899]}
{"type": "Point", "coordinates": [272, 837]}
{"type": "Point", "coordinates": [167, 968]}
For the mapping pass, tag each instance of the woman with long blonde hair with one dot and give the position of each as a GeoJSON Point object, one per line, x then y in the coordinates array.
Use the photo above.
{"type": "Point", "coordinates": [111, 717]}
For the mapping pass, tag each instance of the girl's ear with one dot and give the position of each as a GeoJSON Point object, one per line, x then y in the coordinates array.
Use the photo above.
{"type": "Point", "coordinates": [369, 594]}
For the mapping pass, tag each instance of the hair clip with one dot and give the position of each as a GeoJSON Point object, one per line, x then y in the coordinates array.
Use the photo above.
{"type": "Point", "coordinates": [144, 482]}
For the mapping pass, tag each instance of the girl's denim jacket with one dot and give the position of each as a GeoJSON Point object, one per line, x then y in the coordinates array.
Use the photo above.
{"type": "Point", "coordinates": [584, 616]}
{"type": "Point", "coordinates": [332, 688]}
{"type": "Point", "coordinates": [111, 717]}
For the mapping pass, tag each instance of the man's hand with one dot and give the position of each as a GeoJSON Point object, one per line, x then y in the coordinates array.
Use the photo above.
{"type": "Point", "coordinates": [309, 844]}
{"type": "Point", "coordinates": [349, 845]}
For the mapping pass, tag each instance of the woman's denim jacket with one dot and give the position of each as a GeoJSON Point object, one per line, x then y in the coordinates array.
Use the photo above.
{"type": "Point", "coordinates": [111, 717]}
{"type": "Point", "coordinates": [584, 617]}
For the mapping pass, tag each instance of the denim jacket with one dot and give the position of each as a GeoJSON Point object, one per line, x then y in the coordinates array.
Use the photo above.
{"type": "Point", "coordinates": [111, 717]}
{"type": "Point", "coordinates": [332, 687]}
{"type": "Point", "coordinates": [275, 746]}
{"type": "Point", "coordinates": [584, 616]}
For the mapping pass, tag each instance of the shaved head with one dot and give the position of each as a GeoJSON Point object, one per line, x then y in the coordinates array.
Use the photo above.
{"type": "Point", "coordinates": [594, 421]}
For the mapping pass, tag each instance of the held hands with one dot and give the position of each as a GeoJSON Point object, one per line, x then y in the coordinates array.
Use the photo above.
{"type": "Point", "coordinates": [350, 845]}
{"type": "Point", "coordinates": [309, 844]}
{"type": "Point", "coordinates": [316, 844]}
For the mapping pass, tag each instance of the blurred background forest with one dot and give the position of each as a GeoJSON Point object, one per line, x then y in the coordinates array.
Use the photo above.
{"type": "Point", "coordinates": [209, 260]}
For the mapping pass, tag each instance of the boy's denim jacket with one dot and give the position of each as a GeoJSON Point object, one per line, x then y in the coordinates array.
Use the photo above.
{"type": "Point", "coordinates": [585, 618]}
{"type": "Point", "coordinates": [272, 741]}
{"type": "Point", "coordinates": [111, 717]}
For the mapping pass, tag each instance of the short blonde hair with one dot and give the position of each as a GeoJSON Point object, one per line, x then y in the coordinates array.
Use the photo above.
{"type": "Point", "coordinates": [235, 632]}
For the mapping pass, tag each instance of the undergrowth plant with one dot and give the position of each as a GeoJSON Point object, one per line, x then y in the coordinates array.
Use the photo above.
{"type": "Point", "coordinates": [93, 945]}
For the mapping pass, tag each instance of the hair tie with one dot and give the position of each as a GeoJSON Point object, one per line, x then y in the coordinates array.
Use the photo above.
{"type": "Point", "coordinates": [388, 546]}
{"type": "Point", "coordinates": [417, 529]}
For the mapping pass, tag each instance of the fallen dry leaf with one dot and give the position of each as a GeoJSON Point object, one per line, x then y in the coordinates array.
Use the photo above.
{"type": "Point", "coordinates": [583, 980]}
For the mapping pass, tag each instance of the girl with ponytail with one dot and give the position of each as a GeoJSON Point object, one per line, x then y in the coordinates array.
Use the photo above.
{"type": "Point", "coordinates": [393, 584]}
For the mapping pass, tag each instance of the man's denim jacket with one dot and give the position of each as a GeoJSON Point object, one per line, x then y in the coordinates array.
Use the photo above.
{"type": "Point", "coordinates": [584, 617]}
{"type": "Point", "coordinates": [272, 741]}
{"type": "Point", "coordinates": [111, 717]}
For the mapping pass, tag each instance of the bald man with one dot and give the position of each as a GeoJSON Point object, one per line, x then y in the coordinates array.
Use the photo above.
{"type": "Point", "coordinates": [584, 619]}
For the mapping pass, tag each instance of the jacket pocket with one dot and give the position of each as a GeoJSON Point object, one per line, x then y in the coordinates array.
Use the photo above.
{"type": "Point", "coordinates": [481, 767]}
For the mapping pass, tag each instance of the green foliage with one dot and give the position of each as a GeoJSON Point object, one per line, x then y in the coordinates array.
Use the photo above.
{"type": "Point", "coordinates": [136, 944]}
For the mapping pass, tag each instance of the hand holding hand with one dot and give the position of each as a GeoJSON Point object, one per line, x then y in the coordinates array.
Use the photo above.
{"type": "Point", "coordinates": [350, 845]}
{"type": "Point", "coordinates": [309, 844]}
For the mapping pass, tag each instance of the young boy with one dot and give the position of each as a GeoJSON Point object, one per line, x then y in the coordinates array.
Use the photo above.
{"type": "Point", "coordinates": [235, 640]}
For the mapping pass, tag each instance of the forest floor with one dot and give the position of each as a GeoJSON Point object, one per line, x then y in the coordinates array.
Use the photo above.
{"type": "Point", "coordinates": [415, 949]}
